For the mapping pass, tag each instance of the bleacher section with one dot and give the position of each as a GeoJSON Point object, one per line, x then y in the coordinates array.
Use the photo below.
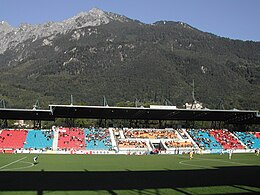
{"type": "Point", "coordinates": [39, 139]}
{"type": "Point", "coordinates": [203, 139]}
{"type": "Point", "coordinates": [182, 133]}
{"type": "Point", "coordinates": [226, 139]}
{"type": "Point", "coordinates": [256, 134]}
{"type": "Point", "coordinates": [12, 139]}
{"type": "Point", "coordinates": [150, 134]}
{"type": "Point", "coordinates": [97, 139]}
{"type": "Point", "coordinates": [174, 144]}
{"type": "Point", "coordinates": [132, 144]}
{"type": "Point", "coordinates": [248, 139]}
{"type": "Point", "coordinates": [71, 138]}
{"type": "Point", "coordinates": [127, 141]}
{"type": "Point", "coordinates": [166, 141]}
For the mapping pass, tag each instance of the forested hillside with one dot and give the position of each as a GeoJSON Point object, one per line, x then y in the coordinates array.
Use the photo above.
{"type": "Point", "coordinates": [125, 60]}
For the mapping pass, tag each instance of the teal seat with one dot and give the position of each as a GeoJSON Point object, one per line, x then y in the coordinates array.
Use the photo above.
{"type": "Point", "coordinates": [39, 139]}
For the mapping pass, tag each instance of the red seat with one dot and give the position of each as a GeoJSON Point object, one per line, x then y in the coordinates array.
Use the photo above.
{"type": "Point", "coordinates": [71, 138]}
{"type": "Point", "coordinates": [226, 139]}
{"type": "Point", "coordinates": [13, 138]}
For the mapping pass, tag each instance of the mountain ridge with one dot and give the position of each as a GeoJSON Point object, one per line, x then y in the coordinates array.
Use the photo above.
{"type": "Point", "coordinates": [11, 36]}
{"type": "Point", "coordinates": [124, 59]}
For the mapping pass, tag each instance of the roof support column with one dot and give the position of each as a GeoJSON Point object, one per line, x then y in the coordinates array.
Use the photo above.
{"type": "Point", "coordinates": [37, 124]}
{"type": "Point", "coordinates": [3, 123]}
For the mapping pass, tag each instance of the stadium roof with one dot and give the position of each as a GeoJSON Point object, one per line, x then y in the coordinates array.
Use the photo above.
{"type": "Point", "coordinates": [132, 113]}
{"type": "Point", "coordinates": [26, 114]}
{"type": "Point", "coordinates": [141, 113]}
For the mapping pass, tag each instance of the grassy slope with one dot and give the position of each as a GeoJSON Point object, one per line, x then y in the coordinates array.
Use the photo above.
{"type": "Point", "coordinates": [121, 174]}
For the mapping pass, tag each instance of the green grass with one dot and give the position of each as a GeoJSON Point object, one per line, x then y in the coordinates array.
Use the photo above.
{"type": "Point", "coordinates": [124, 174]}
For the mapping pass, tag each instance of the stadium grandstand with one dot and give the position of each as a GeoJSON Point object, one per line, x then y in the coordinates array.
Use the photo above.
{"type": "Point", "coordinates": [110, 140]}
{"type": "Point", "coordinates": [92, 140]}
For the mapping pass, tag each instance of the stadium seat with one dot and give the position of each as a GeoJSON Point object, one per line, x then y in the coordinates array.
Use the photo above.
{"type": "Point", "coordinates": [39, 139]}
{"type": "Point", "coordinates": [97, 139]}
{"type": "Point", "coordinates": [14, 139]}
{"type": "Point", "coordinates": [226, 139]}
{"type": "Point", "coordinates": [71, 138]}
{"type": "Point", "coordinates": [256, 134]}
{"type": "Point", "coordinates": [150, 134]}
{"type": "Point", "coordinates": [251, 141]}
{"type": "Point", "coordinates": [203, 139]}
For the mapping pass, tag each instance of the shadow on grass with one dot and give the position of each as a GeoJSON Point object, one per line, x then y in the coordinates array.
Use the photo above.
{"type": "Point", "coordinates": [129, 180]}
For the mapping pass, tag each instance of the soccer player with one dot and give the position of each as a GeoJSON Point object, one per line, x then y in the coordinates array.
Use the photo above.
{"type": "Point", "coordinates": [230, 154]}
{"type": "Point", "coordinates": [35, 159]}
{"type": "Point", "coordinates": [191, 154]}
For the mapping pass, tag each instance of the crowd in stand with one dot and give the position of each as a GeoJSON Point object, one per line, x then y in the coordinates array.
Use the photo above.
{"type": "Point", "coordinates": [98, 135]}
{"type": "Point", "coordinates": [226, 139]}
{"type": "Point", "coordinates": [150, 134]}
{"type": "Point", "coordinates": [249, 139]}
{"type": "Point", "coordinates": [256, 134]}
{"type": "Point", "coordinates": [71, 138]}
{"type": "Point", "coordinates": [174, 144]}
{"type": "Point", "coordinates": [48, 134]}
{"type": "Point", "coordinates": [183, 135]}
{"type": "Point", "coordinates": [131, 144]}
{"type": "Point", "coordinates": [80, 139]}
{"type": "Point", "coordinates": [13, 138]}
{"type": "Point", "coordinates": [39, 139]}
{"type": "Point", "coordinates": [203, 139]}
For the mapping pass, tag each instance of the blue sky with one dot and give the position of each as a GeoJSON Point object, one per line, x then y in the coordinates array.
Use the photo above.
{"type": "Point", "coordinates": [236, 19]}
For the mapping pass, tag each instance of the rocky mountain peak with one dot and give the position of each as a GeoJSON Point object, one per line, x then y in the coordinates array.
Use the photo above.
{"type": "Point", "coordinates": [5, 27]}
{"type": "Point", "coordinates": [96, 11]}
{"type": "Point", "coordinates": [94, 17]}
{"type": "Point", "coordinates": [11, 37]}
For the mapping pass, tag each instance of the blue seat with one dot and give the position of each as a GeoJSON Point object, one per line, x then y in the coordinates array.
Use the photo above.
{"type": "Point", "coordinates": [204, 140]}
{"type": "Point", "coordinates": [97, 139]}
{"type": "Point", "coordinates": [39, 139]}
{"type": "Point", "coordinates": [248, 139]}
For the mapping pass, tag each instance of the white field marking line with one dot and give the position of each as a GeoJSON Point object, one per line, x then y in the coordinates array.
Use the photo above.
{"type": "Point", "coordinates": [12, 163]}
{"type": "Point", "coordinates": [187, 164]}
{"type": "Point", "coordinates": [220, 160]}
{"type": "Point", "coordinates": [25, 167]}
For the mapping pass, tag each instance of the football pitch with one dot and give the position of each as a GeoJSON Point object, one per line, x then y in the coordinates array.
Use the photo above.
{"type": "Point", "coordinates": [125, 174]}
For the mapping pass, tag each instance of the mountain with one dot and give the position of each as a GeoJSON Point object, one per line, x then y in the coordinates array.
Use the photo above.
{"type": "Point", "coordinates": [97, 53]}
{"type": "Point", "coordinates": [10, 37]}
